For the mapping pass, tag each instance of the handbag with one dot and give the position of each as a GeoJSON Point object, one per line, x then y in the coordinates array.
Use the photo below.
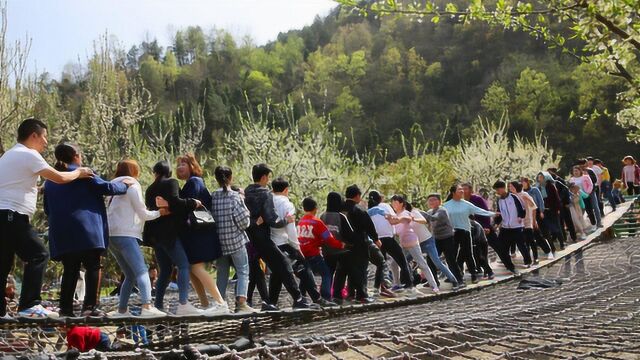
{"type": "Point", "coordinates": [201, 219]}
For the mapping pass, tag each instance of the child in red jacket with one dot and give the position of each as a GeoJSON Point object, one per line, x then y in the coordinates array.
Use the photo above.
{"type": "Point", "coordinates": [86, 338]}
{"type": "Point", "coordinates": [312, 235]}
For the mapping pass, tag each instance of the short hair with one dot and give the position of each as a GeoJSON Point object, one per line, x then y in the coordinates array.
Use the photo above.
{"type": "Point", "coordinates": [598, 162]}
{"type": "Point", "coordinates": [30, 126]}
{"type": "Point", "coordinates": [128, 167]}
{"type": "Point", "coordinates": [434, 195]}
{"type": "Point", "coordinates": [581, 161]}
{"type": "Point", "coordinates": [308, 204]}
{"type": "Point", "coordinates": [279, 185]}
{"type": "Point", "coordinates": [352, 191]}
{"type": "Point", "coordinates": [499, 185]}
{"type": "Point", "coordinates": [260, 170]}
{"type": "Point", "coordinates": [590, 158]}
{"type": "Point", "coordinates": [194, 166]}
{"type": "Point", "coordinates": [162, 168]}
{"type": "Point", "coordinates": [517, 185]}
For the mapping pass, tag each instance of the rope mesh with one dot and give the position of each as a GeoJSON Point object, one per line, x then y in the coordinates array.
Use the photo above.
{"type": "Point", "coordinates": [595, 313]}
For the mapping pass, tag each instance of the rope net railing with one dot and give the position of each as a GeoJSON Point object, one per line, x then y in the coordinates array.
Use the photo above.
{"type": "Point", "coordinates": [595, 313]}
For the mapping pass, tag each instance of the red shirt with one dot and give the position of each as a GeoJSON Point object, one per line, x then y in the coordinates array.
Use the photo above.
{"type": "Point", "coordinates": [312, 234]}
{"type": "Point", "coordinates": [83, 338]}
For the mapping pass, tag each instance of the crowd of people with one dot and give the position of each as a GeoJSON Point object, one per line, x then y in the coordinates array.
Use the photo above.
{"type": "Point", "coordinates": [254, 231]}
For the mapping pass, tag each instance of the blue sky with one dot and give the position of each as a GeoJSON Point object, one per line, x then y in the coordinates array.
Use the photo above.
{"type": "Point", "coordinates": [63, 31]}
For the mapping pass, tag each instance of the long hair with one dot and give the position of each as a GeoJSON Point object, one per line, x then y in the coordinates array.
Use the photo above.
{"type": "Point", "coordinates": [64, 154]}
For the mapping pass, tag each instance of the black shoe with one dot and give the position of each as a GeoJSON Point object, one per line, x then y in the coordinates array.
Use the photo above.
{"type": "Point", "coordinates": [266, 307]}
{"type": "Point", "coordinates": [339, 302]}
{"type": "Point", "coordinates": [93, 312]}
{"type": "Point", "coordinates": [68, 314]}
{"type": "Point", "coordinates": [300, 304]}
{"type": "Point", "coordinates": [491, 276]}
{"type": "Point", "coordinates": [325, 303]}
{"type": "Point", "coordinates": [474, 279]}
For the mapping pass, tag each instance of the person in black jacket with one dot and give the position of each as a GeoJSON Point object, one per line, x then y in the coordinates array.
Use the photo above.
{"type": "Point", "coordinates": [162, 234]}
{"type": "Point", "coordinates": [364, 232]}
{"type": "Point", "coordinates": [338, 261]}
{"type": "Point", "coordinates": [259, 201]}
{"type": "Point", "coordinates": [565, 199]}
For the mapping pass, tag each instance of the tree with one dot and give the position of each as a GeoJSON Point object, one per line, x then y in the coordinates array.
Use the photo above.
{"type": "Point", "coordinates": [113, 107]}
{"type": "Point", "coordinates": [491, 154]}
{"type": "Point", "coordinates": [607, 33]}
{"type": "Point", "coordinates": [17, 89]}
{"type": "Point", "coordinates": [535, 100]}
{"type": "Point", "coordinates": [496, 100]}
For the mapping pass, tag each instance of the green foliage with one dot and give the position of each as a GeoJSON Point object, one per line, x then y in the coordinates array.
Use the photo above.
{"type": "Point", "coordinates": [603, 34]}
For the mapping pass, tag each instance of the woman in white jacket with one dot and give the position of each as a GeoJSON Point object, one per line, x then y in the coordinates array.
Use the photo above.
{"type": "Point", "coordinates": [126, 216]}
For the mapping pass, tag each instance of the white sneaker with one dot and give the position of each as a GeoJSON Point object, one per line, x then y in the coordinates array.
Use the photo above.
{"type": "Point", "coordinates": [152, 312]}
{"type": "Point", "coordinates": [115, 314]}
{"type": "Point", "coordinates": [411, 292]}
{"type": "Point", "coordinates": [38, 311]}
{"type": "Point", "coordinates": [550, 256]}
{"type": "Point", "coordinates": [217, 309]}
{"type": "Point", "coordinates": [187, 309]}
{"type": "Point", "coordinates": [7, 318]}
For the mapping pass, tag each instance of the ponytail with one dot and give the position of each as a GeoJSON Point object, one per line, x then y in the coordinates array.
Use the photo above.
{"type": "Point", "coordinates": [223, 176]}
{"type": "Point", "coordinates": [60, 166]}
{"type": "Point", "coordinates": [65, 153]}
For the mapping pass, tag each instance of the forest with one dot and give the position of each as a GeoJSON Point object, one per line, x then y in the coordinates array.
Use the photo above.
{"type": "Point", "coordinates": [419, 104]}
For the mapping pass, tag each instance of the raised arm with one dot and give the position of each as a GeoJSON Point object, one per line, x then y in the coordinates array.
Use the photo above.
{"type": "Point", "coordinates": [108, 187]}
{"type": "Point", "coordinates": [474, 210]}
{"type": "Point", "coordinates": [63, 177]}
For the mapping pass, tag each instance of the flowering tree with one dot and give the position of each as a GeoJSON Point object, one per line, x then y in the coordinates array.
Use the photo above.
{"type": "Point", "coordinates": [490, 155]}
{"type": "Point", "coordinates": [17, 88]}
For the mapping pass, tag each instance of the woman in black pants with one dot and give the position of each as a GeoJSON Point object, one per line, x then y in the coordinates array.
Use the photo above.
{"type": "Point", "coordinates": [78, 232]}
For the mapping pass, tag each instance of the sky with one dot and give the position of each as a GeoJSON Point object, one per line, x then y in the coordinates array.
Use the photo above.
{"type": "Point", "coordinates": [63, 31]}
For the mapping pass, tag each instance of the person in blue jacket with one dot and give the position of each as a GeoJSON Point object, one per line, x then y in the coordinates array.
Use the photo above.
{"type": "Point", "coordinates": [78, 230]}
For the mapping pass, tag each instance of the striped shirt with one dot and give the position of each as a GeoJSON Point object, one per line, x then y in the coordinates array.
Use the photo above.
{"type": "Point", "coordinates": [232, 219]}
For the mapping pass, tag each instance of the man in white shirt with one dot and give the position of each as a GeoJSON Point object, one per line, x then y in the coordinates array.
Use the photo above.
{"type": "Point", "coordinates": [286, 239]}
{"type": "Point", "coordinates": [20, 168]}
